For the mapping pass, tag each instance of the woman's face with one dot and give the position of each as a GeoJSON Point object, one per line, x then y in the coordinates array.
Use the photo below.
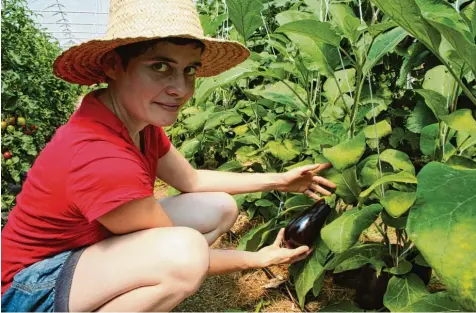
{"type": "Point", "coordinates": [157, 84]}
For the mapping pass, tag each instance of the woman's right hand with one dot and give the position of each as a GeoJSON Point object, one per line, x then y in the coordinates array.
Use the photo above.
{"type": "Point", "coordinates": [274, 254]}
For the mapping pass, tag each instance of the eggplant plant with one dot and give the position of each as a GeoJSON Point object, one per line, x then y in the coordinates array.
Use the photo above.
{"type": "Point", "coordinates": [385, 91]}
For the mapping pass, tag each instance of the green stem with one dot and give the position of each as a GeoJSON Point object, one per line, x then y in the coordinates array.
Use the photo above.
{"type": "Point", "coordinates": [453, 96]}
{"type": "Point", "coordinates": [384, 235]}
{"type": "Point", "coordinates": [461, 144]}
{"type": "Point", "coordinates": [259, 127]}
{"type": "Point", "coordinates": [360, 82]}
{"type": "Point", "coordinates": [297, 95]}
{"type": "Point", "coordinates": [354, 63]}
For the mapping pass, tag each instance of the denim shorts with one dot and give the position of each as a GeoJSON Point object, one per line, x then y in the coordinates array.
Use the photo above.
{"type": "Point", "coordinates": [43, 286]}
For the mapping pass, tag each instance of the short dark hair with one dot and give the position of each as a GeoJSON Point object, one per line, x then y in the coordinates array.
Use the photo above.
{"type": "Point", "coordinates": [132, 50]}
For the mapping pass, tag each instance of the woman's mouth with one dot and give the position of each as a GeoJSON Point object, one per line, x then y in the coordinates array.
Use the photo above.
{"type": "Point", "coordinates": [171, 107]}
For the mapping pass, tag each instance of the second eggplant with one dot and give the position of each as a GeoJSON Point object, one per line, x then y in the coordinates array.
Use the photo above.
{"type": "Point", "coordinates": [306, 227]}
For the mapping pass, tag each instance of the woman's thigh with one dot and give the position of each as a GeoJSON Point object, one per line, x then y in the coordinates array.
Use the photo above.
{"type": "Point", "coordinates": [151, 257]}
{"type": "Point", "coordinates": [204, 211]}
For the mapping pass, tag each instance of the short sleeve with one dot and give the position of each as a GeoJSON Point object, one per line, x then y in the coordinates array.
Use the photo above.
{"type": "Point", "coordinates": [163, 142]}
{"type": "Point", "coordinates": [104, 177]}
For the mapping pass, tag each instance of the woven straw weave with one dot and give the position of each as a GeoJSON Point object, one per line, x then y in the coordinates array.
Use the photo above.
{"type": "Point", "coordinates": [138, 20]}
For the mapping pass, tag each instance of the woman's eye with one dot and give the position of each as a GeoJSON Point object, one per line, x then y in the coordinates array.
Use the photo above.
{"type": "Point", "coordinates": [191, 70]}
{"type": "Point", "coordinates": [160, 67]}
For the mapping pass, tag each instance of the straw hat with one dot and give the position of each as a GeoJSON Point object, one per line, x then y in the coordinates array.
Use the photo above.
{"type": "Point", "coordinates": [139, 20]}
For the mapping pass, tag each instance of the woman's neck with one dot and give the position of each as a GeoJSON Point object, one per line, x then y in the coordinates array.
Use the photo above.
{"type": "Point", "coordinates": [109, 98]}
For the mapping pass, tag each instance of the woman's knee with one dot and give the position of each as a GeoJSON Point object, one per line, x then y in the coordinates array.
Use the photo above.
{"type": "Point", "coordinates": [188, 260]}
{"type": "Point", "coordinates": [228, 207]}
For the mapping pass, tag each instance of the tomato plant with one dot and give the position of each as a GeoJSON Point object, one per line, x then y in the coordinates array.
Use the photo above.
{"type": "Point", "coordinates": [34, 102]}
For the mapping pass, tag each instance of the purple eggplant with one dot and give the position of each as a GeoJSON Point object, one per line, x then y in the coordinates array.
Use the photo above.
{"type": "Point", "coordinates": [306, 227]}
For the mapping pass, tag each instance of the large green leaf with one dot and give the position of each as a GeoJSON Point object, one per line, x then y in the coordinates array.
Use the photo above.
{"type": "Point", "coordinates": [281, 93]}
{"type": "Point", "coordinates": [190, 147]}
{"type": "Point", "coordinates": [245, 15]}
{"type": "Point", "coordinates": [435, 101]}
{"type": "Point", "coordinates": [369, 170]}
{"type": "Point", "coordinates": [434, 302]}
{"type": "Point", "coordinates": [397, 203]}
{"type": "Point", "coordinates": [379, 130]}
{"type": "Point", "coordinates": [452, 26]}
{"type": "Point", "coordinates": [293, 16]}
{"type": "Point", "coordinates": [342, 81]}
{"type": "Point", "coordinates": [420, 117]}
{"type": "Point", "coordinates": [469, 13]}
{"type": "Point", "coordinates": [430, 139]}
{"type": "Point", "coordinates": [198, 120]}
{"type": "Point", "coordinates": [461, 120]}
{"type": "Point", "coordinates": [277, 129]}
{"type": "Point", "coordinates": [407, 14]}
{"type": "Point", "coordinates": [346, 154]}
{"type": "Point", "coordinates": [308, 271]}
{"type": "Point", "coordinates": [316, 7]}
{"type": "Point", "coordinates": [285, 151]}
{"type": "Point", "coordinates": [381, 27]}
{"type": "Point", "coordinates": [252, 240]}
{"type": "Point", "coordinates": [316, 56]}
{"type": "Point", "coordinates": [210, 26]}
{"type": "Point", "coordinates": [319, 136]}
{"type": "Point", "coordinates": [346, 181]}
{"type": "Point", "coordinates": [229, 117]}
{"type": "Point", "coordinates": [445, 212]}
{"type": "Point", "coordinates": [317, 31]}
{"type": "Point", "coordinates": [439, 79]}
{"type": "Point", "coordinates": [460, 162]}
{"type": "Point", "coordinates": [344, 232]}
{"type": "Point", "coordinates": [401, 177]}
{"type": "Point", "coordinates": [356, 257]}
{"type": "Point", "coordinates": [208, 85]}
{"type": "Point", "coordinates": [231, 166]}
{"type": "Point", "coordinates": [297, 203]}
{"type": "Point", "coordinates": [398, 159]}
{"type": "Point", "coordinates": [383, 44]}
{"type": "Point", "coordinates": [402, 292]}
{"type": "Point", "coordinates": [344, 17]}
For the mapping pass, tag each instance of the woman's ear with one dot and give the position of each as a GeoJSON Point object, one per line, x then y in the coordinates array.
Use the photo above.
{"type": "Point", "coordinates": [112, 64]}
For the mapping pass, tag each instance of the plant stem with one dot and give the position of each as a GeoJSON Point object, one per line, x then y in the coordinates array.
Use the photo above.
{"type": "Point", "coordinates": [384, 235]}
{"type": "Point", "coordinates": [348, 56]}
{"type": "Point", "coordinates": [461, 144]}
{"type": "Point", "coordinates": [297, 95]}
{"type": "Point", "coordinates": [453, 97]}
{"type": "Point", "coordinates": [360, 83]}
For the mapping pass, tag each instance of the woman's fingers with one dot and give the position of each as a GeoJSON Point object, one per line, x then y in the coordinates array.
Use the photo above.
{"type": "Point", "coordinates": [320, 190]}
{"type": "Point", "coordinates": [322, 181]}
{"type": "Point", "coordinates": [311, 194]}
{"type": "Point", "coordinates": [279, 238]}
{"type": "Point", "coordinates": [299, 251]}
{"type": "Point", "coordinates": [322, 167]}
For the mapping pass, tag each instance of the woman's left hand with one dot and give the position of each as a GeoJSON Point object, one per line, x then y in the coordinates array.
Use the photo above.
{"type": "Point", "coordinates": [303, 179]}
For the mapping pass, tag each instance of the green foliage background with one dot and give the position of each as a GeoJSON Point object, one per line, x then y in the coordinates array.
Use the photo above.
{"type": "Point", "coordinates": [385, 90]}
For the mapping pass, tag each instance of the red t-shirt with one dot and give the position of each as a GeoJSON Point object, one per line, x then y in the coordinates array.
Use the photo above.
{"type": "Point", "coordinates": [90, 167]}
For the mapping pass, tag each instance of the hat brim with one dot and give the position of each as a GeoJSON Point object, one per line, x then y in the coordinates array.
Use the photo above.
{"type": "Point", "coordinates": [82, 64]}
